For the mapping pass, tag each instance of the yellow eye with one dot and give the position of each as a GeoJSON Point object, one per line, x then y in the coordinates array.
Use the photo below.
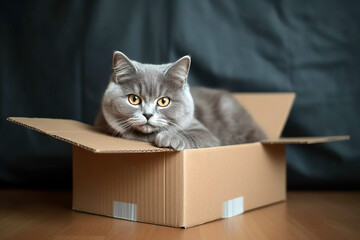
{"type": "Point", "coordinates": [163, 101]}
{"type": "Point", "coordinates": [134, 100]}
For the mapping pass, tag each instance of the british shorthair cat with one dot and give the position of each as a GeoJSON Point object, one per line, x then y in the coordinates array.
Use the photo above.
{"type": "Point", "coordinates": [154, 103]}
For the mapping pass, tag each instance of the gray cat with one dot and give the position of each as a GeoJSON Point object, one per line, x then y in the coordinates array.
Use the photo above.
{"type": "Point", "coordinates": [154, 103]}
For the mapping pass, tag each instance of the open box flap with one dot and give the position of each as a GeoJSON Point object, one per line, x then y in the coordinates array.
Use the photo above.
{"type": "Point", "coordinates": [269, 110]}
{"type": "Point", "coordinates": [305, 140]}
{"type": "Point", "coordinates": [85, 136]}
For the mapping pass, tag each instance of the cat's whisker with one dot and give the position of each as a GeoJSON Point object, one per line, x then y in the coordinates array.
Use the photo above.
{"type": "Point", "coordinates": [169, 128]}
{"type": "Point", "coordinates": [110, 129]}
{"type": "Point", "coordinates": [163, 124]}
{"type": "Point", "coordinates": [124, 124]}
{"type": "Point", "coordinates": [177, 126]}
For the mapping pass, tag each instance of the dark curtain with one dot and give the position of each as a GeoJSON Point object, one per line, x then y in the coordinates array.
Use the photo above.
{"type": "Point", "coordinates": [55, 60]}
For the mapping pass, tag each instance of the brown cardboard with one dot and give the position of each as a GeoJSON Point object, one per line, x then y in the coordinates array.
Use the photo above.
{"type": "Point", "coordinates": [140, 182]}
{"type": "Point", "coordinates": [213, 176]}
{"type": "Point", "coordinates": [305, 140]}
{"type": "Point", "coordinates": [84, 135]}
{"type": "Point", "coordinates": [152, 181]}
{"type": "Point", "coordinates": [269, 110]}
{"type": "Point", "coordinates": [180, 189]}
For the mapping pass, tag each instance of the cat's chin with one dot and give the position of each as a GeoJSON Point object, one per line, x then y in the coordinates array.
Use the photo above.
{"type": "Point", "coordinates": [147, 129]}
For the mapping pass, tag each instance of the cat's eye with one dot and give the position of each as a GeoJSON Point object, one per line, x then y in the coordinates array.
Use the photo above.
{"type": "Point", "coordinates": [134, 99]}
{"type": "Point", "coordinates": [163, 101]}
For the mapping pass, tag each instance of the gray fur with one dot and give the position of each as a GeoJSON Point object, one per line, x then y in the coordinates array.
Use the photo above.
{"type": "Point", "coordinates": [195, 118]}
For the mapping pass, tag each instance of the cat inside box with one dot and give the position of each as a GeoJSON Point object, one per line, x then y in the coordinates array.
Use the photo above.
{"type": "Point", "coordinates": [154, 103]}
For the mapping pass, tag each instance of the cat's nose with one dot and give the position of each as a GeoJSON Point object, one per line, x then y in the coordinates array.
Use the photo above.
{"type": "Point", "coordinates": [147, 115]}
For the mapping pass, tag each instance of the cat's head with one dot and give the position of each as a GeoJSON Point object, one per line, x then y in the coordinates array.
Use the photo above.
{"type": "Point", "coordinates": [148, 98]}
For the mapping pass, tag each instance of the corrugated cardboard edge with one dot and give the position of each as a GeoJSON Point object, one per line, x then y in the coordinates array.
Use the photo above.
{"type": "Point", "coordinates": [17, 120]}
{"type": "Point", "coordinates": [305, 140]}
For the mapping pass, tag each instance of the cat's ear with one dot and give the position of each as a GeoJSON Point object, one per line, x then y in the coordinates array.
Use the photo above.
{"type": "Point", "coordinates": [179, 70]}
{"type": "Point", "coordinates": [123, 67]}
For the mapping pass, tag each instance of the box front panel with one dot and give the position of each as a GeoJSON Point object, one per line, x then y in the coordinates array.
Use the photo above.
{"type": "Point", "coordinates": [129, 186]}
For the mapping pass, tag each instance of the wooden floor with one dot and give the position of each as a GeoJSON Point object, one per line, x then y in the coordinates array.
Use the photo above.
{"type": "Point", "coordinates": [305, 215]}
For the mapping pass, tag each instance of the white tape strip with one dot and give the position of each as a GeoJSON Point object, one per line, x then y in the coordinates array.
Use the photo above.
{"type": "Point", "coordinates": [124, 210]}
{"type": "Point", "coordinates": [233, 207]}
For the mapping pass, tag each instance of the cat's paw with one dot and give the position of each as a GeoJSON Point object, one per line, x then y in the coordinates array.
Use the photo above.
{"type": "Point", "coordinates": [168, 139]}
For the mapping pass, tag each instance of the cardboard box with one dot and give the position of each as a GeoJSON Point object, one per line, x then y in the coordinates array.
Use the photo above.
{"type": "Point", "coordinates": [137, 181]}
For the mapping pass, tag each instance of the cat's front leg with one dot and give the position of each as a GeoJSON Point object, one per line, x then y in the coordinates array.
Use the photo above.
{"type": "Point", "coordinates": [195, 136]}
